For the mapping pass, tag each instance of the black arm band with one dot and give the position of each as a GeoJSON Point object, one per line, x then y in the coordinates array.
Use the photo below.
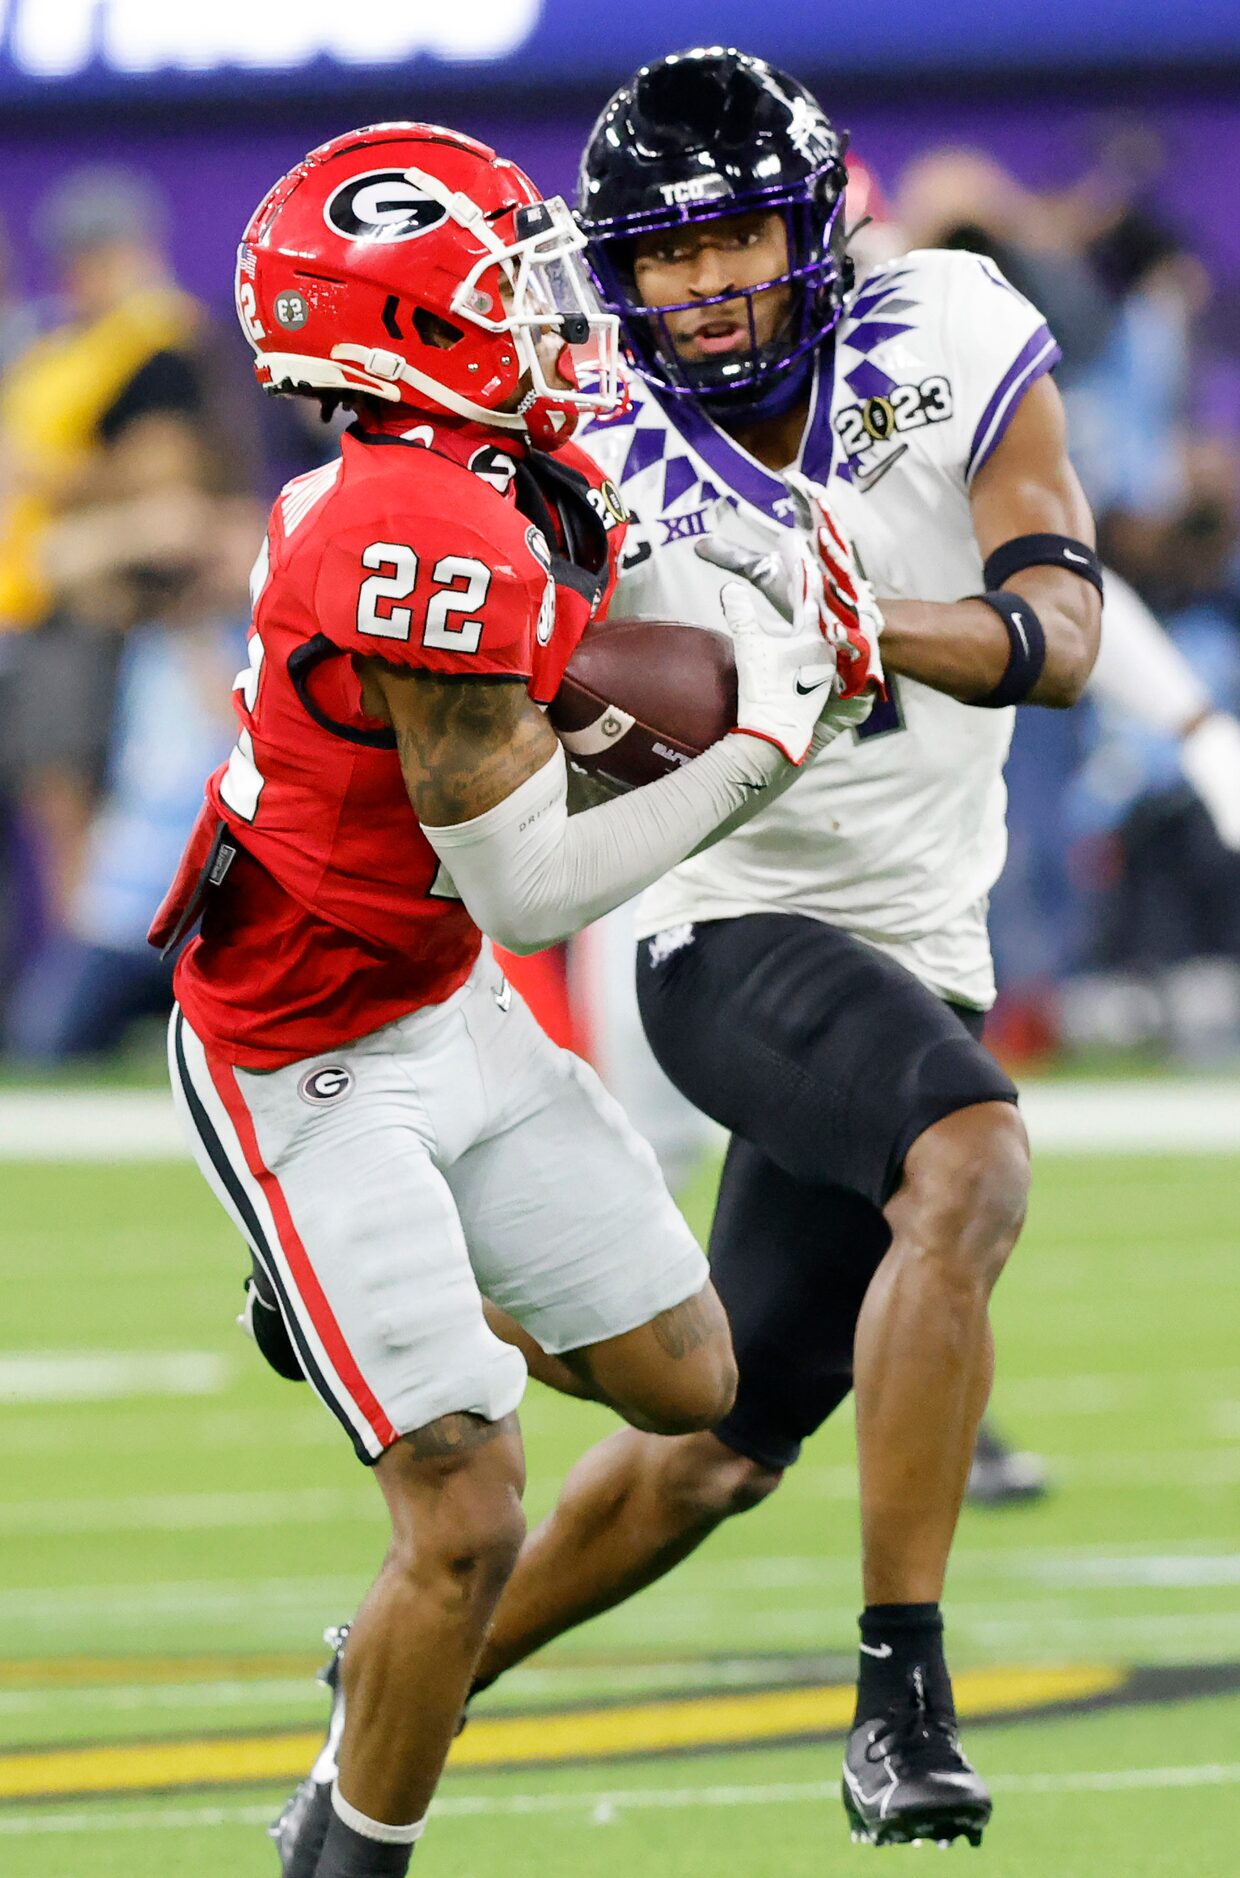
{"type": "Point", "coordinates": [1026, 653]}
{"type": "Point", "coordinates": [1076, 557]}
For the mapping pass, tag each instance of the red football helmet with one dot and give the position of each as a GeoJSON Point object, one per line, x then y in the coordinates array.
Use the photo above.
{"type": "Point", "coordinates": [410, 263]}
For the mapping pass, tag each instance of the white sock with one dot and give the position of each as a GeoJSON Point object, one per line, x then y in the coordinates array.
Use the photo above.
{"type": "Point", "coordinates": [324, 1768]}
{"type": "Point", "coordinates": [375, 1828]}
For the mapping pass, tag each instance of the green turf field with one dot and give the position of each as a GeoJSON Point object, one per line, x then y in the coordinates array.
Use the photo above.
{"type": "Point", "coordinates": [176, 1527]}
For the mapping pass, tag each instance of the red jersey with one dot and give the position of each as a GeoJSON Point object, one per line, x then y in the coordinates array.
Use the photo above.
{"type": "Point", "coordinates": [432, 546]}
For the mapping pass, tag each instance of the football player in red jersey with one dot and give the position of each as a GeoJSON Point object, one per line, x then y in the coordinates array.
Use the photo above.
{"type": "Point", "coordinates": [382, 1120]}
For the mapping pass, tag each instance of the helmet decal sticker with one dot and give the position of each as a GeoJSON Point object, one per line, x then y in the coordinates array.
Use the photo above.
{"type": "Point", "coordinates": [382, 205]}
{"type": "Point", "coordinates": [291, 310]}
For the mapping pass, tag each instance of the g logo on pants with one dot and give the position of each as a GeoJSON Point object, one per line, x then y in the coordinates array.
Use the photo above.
{"type": "Point", "coordinates": [329, 1083]}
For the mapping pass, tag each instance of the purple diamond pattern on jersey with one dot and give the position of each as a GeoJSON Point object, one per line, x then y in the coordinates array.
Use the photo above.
{"type": "Point", "coordinates": [872, 297]}
{"type": "Point", "coordinates": [862, 332]}
{"type": "Point", "coordinates": [871, 334]}
{"type": "Point", "coordinates": [868, 323]}
{"type": "Point", "coordinates": [649, 446]}
{"type": "Point", "coordinates": [678, 477]}
{"type": "Point", "coordinates": [868, 380]}
{"type": "Point", "coordinates": [646, 449]}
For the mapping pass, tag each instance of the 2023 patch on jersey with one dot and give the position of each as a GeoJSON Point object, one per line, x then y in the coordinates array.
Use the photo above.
{"type": "Point", "coordinates": [417, 547]}
{"type": "Point", "coordinates": [896, 833]}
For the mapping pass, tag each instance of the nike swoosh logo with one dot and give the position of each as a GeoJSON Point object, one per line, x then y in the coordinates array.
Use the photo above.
{"type": "Point", "coordinates": [1019, 624]}
{"type": "Point", "coordinates": [877, 1649]}
{"type": "Point", "coordinates": [866, 483]}
{"type": "Point", "coordinates": [1082, 558]}
{"type": "Point", "coordinates": [859, 1792]}
{"type": "Point", "coordinates": [804, 691]}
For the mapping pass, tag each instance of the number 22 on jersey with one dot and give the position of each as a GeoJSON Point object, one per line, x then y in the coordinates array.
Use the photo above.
{"type": "Point", "coordinates": [396, 576]}
{"type": "Point", "coordinates": [461, 587]}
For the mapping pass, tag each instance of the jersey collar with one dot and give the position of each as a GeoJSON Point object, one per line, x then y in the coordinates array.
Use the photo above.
{"type": "Point", "coordinates": [459, 439]}
{"type": "Point", "coordinates": [742, 474]}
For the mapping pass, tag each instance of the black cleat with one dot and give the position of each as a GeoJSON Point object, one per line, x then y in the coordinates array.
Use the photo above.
{"type": "Point", "coordinates": [300, 1830]}
{"type": "Point", "coordinates": [261, 1319]}
{"type": "Point", "coordinates": [906, 1780]}
{"type": "Point", "coordinates": [1001, 1477]}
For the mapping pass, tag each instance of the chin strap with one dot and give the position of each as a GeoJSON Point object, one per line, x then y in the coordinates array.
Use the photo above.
{"type": "Point", "coordinates": [389, 370]}
{"type": "Point", "coordinates": [755, 404]}
{"type": "Point", "coordinates": [381, 374]}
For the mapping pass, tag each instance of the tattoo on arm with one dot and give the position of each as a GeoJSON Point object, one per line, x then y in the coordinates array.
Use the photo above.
{"type": "Point", "coordinates": [465, 743]}
{"type": "Point", "coordinates": [686, 1327]}
{"type": "Point", "coordinates": [587, 792]}
{"type": "Point", "coordinates": [454, 1434]}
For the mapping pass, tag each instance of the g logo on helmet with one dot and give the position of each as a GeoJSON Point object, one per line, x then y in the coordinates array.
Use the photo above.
{"type": "Point", "coordinates": [536, 542]}
{"type": "Point", "coordinates": [329, 1083]}
{"type": "Point", "coordinates": [382, 205]}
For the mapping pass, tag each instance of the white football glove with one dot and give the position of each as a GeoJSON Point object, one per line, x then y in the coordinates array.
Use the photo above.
{"type": "Point", "coordinates": [1210, 755]}
{"type": "Point", "coordinates": [814, 562]}
{"type": "Point", "coordinates": [785, 673]}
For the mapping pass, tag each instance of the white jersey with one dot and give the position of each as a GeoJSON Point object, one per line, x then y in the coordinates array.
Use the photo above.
{"type": "Point", "coordinates": [897, 833]}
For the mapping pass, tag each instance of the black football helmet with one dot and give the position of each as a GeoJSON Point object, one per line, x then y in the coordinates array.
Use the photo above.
{"type": "Point", "coordinates": [708, 133]}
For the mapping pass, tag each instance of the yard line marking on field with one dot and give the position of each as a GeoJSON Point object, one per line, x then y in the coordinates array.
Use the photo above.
{"type": "Point", "coordinates": [24, 1604]}
{"type": "Point", "coordinates": [81, 1674]}
{"type": "Point", "coordinates": [89, 1125]}
{"type": "Point", "coordinates": [1111, 1470]}
{"type": "Point", "coordinates": [53, 1376]}
{"type": "Point", "coordinates": [1165, 1570]}
{"type": "Point", "coordinates": [1120, 1468]}
{"type": "Point", "coordinates": [201, 1597]}
{"type": "Point", "coordinates": [1159, 1115]}
{"type": "Point", "coordinates": [798, 1570]}
{"type": "Point", "coordinates": [82, 1686]}
{"type": "Point", "coordinates": [612, 1803]}
{"type": "Point", "coordinates": [1143, 1633]}
{"type": "Point", "coordinates": [1100, 1392]}
{"type": "Point", "coordinates": [1122, 1780]}
{"type": "Point", "coordinates": [733, 1720]}
{"type": "Point", "coordinates": [134, 1697]}
{"type": "Point", "coordinates": [1133, 1117]}
{"type": "Point", "coordinates": [134, 1430]}
{"type": "Point", "coordinates": [155, 1512]}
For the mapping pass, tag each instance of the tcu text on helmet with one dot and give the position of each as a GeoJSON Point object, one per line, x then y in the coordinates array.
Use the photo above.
{"type": "Point", "coordinates": [696, 189]}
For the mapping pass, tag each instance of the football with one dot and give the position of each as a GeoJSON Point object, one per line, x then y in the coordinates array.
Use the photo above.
{"type": "Point", "coordinates": [641, 697]}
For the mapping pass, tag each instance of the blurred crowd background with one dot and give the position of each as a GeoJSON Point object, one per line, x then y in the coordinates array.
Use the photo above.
{"type": "Point", "coordinates": [137, 459]}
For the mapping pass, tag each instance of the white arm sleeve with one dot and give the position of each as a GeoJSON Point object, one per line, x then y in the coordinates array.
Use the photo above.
{"type": "Point", "coordinates": [1141, 671]}
{"type": "Point", "coordinates": [530, 876]}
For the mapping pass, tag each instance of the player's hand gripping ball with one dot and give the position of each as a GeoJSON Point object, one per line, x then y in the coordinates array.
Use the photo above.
{"type": "Point", "coordinates": [813, 567]}
{"type": "Point", "coordinates": [642, 697]}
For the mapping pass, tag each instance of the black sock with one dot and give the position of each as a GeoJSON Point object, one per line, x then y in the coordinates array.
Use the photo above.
{"type": "Point", "coordinates": [349, 1854]}
{"type": "Point", "coordinates": [902, 1654]}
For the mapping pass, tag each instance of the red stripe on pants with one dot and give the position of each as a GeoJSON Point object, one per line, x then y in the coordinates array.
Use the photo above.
{"type": "Point", "coordinates": [308, 1288]}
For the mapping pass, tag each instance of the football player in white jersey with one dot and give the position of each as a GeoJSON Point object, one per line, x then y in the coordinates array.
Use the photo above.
{"type": "Point", "coordinates": [836, 946]}
{"type": "Point", "coordinates": [817, 983]}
